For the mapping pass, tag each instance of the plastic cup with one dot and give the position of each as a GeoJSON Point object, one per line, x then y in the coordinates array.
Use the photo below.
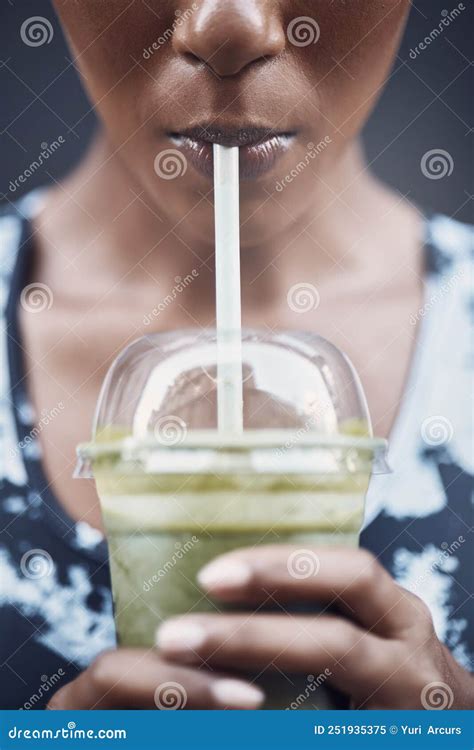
{"type": "Point", "coordinates": [176, 493]}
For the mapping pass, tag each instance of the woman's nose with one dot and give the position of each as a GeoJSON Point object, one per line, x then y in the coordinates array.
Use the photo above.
{"type": "Point", "coordinates": [230, 35]}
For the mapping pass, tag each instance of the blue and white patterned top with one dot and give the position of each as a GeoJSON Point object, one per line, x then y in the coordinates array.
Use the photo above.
{"type": "Point", "coordinates": [55, 601]}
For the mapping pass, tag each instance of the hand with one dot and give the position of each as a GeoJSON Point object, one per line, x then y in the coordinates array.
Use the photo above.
{"type": "Point", "coordinates": [382, 650]}
{"type": "Point", "coordinates": [138, 678]}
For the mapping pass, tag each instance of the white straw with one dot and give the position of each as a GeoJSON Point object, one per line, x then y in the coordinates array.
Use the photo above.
{"type": "Point", "coordinates": [228, 311]}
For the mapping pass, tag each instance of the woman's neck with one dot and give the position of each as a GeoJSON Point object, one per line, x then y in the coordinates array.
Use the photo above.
{"type": "Point", "coordinates": [111, 231]}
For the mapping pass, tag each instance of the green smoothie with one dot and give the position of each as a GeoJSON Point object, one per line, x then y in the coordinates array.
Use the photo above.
{"type": "Point", "coordinates": [164, 524]}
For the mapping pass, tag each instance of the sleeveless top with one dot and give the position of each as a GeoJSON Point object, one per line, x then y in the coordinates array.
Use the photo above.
{"type": "Point", "coordinates": [56, 611]}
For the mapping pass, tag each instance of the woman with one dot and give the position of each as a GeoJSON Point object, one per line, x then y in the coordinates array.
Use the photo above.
{"type": "Point", "coordinates": [292, 84]}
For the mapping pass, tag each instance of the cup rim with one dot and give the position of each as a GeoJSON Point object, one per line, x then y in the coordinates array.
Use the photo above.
{"type": "Point", "coordinates": [227, 442]}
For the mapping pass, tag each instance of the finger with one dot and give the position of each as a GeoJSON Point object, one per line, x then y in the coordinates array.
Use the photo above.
{"type": "Point", "coordinates": [136, 678]}
{"type": "Point", "coordinates": [350, 578]}
{"type": "Point", "coordinates": [287, 642]}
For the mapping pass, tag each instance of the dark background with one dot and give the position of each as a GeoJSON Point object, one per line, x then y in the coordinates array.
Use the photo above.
{"type": "Point", "coordinates": [427, 105]}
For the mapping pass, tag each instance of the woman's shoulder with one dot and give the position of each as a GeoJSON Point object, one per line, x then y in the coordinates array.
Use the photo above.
{"type": "Point", "coordinates": [24, 208]}
{"type": "Point", "coordinates": [13, 217]}
{"type": "Point", "coordinates": [450, 244]}
{"type": "Point", "coordinates": [449, 260]}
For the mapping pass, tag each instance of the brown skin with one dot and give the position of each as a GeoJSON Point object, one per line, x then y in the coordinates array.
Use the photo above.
{"type": "Point", "coordinates": [250, 62]}
{"type": "Point", "coordinates": [383, 658]}
{"type": "Point", "coordinates": [126, 233]}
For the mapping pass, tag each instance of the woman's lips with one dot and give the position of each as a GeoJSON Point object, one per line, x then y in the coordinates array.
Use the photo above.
{"type": "Point", "coordinates": [259, 148]}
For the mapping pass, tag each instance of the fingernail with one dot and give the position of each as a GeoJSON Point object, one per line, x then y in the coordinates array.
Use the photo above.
{"type": "Point", "coordinates": [237, 694]}
{"type": "Point", "coordinates": [224, 575]}
{"type": "Point", "coordinates": [180, 637]}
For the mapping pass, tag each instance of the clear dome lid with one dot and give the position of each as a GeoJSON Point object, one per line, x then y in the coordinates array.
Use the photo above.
{"type": "Point", "coordinates": [161, 393]}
